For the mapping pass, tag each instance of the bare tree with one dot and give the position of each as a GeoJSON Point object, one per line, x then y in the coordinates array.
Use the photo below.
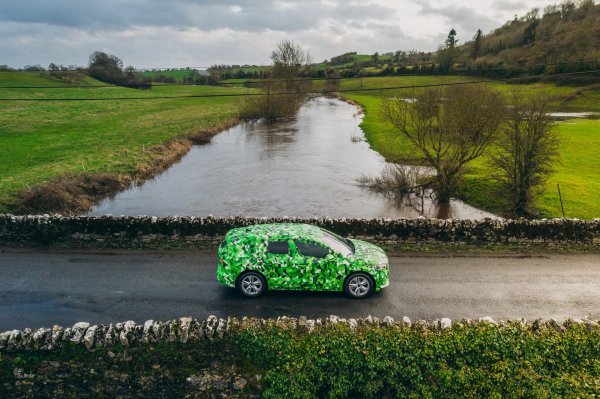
{"type": "Point", "coordinates": [285, 93]}
{"type": "Point", "coordinates": [375, 59]}
{"type": "Point", "coordinates": [449, 127]}
{"type": "Point", "coordinates": [527, 152]}
{"type": "Point", "coordinates": [289, 59]}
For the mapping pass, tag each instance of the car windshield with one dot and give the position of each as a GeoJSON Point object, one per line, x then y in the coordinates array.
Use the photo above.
{"type": "Point", "coordinates": [336, 243]}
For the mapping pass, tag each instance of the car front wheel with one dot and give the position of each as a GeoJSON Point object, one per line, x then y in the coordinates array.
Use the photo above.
{"type": "Point", "coordinates": [252, 284]}
{"type": "Point", "coordinates": [359, 285]}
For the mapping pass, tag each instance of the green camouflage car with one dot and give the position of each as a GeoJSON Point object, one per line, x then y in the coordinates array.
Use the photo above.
{"type": "Point", "coordinates": [291, 256]}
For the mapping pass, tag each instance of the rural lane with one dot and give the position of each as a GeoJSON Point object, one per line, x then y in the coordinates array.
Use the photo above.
{"type": "Point", "coordinates": [39, 288]}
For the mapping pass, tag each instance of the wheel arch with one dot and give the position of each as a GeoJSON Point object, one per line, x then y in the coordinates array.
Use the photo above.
{"type": "Point", "coordinates": [352, 273]}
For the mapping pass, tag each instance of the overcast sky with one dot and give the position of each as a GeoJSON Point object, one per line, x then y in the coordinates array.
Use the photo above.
{"type": "Point", "coordinates": [174, 33]}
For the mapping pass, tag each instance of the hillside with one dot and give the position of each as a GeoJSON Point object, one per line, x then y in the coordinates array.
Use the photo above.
{"type": "Point", "coordinates": [566, 34]}
{"type": "Point", "coordinates": [58, 78]}
{"type": "Point", "coordinates": [559, 33]}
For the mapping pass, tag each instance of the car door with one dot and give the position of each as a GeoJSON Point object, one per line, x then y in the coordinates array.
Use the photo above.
{"type": "Point", "coordinates": [279, 264]}
{"type": "Point", "coordinates": [313, 264]}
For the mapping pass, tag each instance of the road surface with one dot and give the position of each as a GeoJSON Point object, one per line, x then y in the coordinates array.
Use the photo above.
{"type": "Point", "coordinates": [40, 288]}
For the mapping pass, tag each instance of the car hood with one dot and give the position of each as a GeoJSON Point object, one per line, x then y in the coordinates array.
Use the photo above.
{"type": "Point", "coordinates": [370, 253]}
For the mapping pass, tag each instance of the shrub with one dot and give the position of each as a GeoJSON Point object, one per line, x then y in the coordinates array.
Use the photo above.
{"type": "Point", "coordinates": [467, 361]}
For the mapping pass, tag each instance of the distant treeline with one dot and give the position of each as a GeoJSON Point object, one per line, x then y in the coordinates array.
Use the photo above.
{"type": "Point", "coordinates": [562, 38]}
{"type": "Point", "coordinates": [103, 67]}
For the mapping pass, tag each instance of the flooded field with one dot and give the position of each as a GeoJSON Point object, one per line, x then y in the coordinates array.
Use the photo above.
{"type": "Point", "coordinates": [306, 166]}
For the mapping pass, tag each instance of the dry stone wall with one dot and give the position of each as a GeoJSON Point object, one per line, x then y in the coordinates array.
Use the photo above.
{"type": "Point", "coordinates": [186, 329]}
{"type": "Point", "coordinates": [155, 232]}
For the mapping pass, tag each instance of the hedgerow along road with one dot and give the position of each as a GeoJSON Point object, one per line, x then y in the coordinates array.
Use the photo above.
{"type": "Point", "coordinates": [40, 288]}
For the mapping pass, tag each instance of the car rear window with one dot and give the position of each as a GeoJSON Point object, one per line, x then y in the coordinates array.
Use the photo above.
{"type": "Point", "coordinates": [309, 249]}
{"type": "Point", "coordinates": [279, 247]}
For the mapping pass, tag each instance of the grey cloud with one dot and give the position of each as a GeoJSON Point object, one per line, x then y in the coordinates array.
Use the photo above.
{"type": "Point", "coordinates": [465, 20]}
{"type": "Point", "coordinates": [170, 33]}
{"type": "Point", "coordinates": [508, 5]}
{"type": "Point", "coordinates": [253, 16]}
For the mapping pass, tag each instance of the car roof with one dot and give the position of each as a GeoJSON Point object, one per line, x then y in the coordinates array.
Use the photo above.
{"type": "Point", "coordinates": [277, 230]}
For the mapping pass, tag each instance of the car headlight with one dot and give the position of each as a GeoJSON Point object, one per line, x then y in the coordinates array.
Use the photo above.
{"type": "Point", "coordinates": [381, 267]}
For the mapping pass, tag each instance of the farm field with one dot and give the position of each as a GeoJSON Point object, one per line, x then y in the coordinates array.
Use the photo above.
{"type": "Point", "coordinates": [578, 173]}
{"type": "Point", "coordinates": [42, 140]}
{"type": "Point", "coordinates": [178, 74]}
{"type": "Point", "coordinates": [356, 58]}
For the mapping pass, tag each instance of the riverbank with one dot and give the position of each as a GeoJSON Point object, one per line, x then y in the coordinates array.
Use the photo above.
{"type": "Point", "coordinates": [577, 174]}
{"type": "Point", "coordinates": [83, 151]}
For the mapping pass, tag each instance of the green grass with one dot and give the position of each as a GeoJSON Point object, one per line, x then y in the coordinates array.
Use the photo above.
{"type": "Point", "coordinates": [578, 173]}
{"type": "Point", "coordinates": [178, 74]}
{"type": "Point", "coordinates": [250, 69]}
{"type": "Point", "coordinates": [42, 140]}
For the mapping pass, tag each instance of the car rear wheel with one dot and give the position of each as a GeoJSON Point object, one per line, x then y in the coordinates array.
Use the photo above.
{"type": "Point", "coordinates": [359, 285]}
{"type": "Point", "coordinates": [252, 284]}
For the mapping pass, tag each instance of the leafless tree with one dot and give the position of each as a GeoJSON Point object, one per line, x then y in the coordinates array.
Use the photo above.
{"type": "Point", "coordinates": [289, 60]}
{"type": "Point", "coordinates": [449, 127]}
{"type": "Point", "coordinates": [527, 152]}
{"type": "Point", "coordinates": [285, 91]}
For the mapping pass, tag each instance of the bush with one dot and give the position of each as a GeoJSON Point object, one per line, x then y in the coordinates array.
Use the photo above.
{"type": "Point", "coordinates": [271, 105]}
{"type": "Point", "coordinates": [395, 179]}
{"type": "Point", "coordinates": [467, 361]}
{"type": "Point", "coordinates": [109, 68]}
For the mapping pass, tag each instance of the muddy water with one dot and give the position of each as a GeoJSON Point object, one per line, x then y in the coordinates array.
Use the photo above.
{"type": "Point", "coordinates": [306, 166]}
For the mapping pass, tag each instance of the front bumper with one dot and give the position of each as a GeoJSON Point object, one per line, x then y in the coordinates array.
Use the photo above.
{"type": "Point", "coordinates": [381, 277]}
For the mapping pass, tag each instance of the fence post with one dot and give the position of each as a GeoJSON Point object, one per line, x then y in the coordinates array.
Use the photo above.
{"type": "Point", "coordinates": [562, 208]}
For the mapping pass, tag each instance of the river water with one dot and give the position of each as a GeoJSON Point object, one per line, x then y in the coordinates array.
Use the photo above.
{"type": "Point", "coordinates": [306, 166]}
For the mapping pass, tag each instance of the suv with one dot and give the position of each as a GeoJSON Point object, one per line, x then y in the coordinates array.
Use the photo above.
{"type": "Point", "coordinates": [291, 256]}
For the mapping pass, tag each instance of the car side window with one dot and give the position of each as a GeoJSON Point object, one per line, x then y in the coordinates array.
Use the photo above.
{"type": "Point", "coordinates": [310, 249]}
{"type": "Point", "coordinates": [279, 247]}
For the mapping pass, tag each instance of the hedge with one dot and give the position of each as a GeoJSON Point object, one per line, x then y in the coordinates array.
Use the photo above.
{"type": "Point", "coordinates": [331, 358]}
{"type": "Point", "coordinates": [477, 361]}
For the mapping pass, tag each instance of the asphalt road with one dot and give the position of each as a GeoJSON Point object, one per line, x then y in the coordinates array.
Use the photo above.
{"type": "Point", "coordinates": [42, 288]}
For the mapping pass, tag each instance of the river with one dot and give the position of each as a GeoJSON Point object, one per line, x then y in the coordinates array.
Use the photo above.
{"type": "Point", "coordinates": [306, 166]}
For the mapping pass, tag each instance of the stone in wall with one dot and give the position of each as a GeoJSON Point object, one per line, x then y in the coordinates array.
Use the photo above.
{"type": "Point", "coordinates": [143, 231]}
{"type": "Point", "coordinates": [186, 329]}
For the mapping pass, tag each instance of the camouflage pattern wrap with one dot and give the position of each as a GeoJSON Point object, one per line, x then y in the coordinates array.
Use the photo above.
{"type": "Point", "coordinates": [246, 248]}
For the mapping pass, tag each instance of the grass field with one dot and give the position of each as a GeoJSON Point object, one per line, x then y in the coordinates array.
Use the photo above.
{"type": "Point", "coordinates": [178, 74]}
{"type": "Point", "coordinates": [249, 69]}
{"type": "Point", "coordinates": [42, 140]}
{"type": "Point", "coordinates": [578, 173]}
{"type": "Point", "coordinates": [356, 58]}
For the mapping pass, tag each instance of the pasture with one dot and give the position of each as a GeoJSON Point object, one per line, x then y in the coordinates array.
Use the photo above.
{"type": "Point", "coordinates": [42, 140]}
{"type": "Point", "coordinates": [579, 170]}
